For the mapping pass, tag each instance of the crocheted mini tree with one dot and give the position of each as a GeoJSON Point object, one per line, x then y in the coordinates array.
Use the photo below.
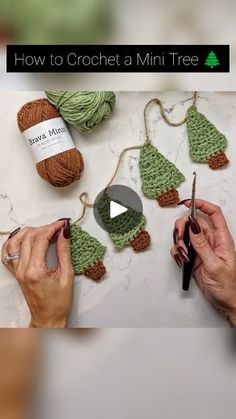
{"type": "Point", "coordinates": [128, 229]}
{"type": "Point", "coordinates": [207, 144]}
{"type": "Point", "coordinates": [159, 176]}
{"type": "Point", "coordinates": [87, 254]}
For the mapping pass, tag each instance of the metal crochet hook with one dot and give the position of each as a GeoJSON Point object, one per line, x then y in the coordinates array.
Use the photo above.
{"type": "Point", "coordinates": [188, 266]}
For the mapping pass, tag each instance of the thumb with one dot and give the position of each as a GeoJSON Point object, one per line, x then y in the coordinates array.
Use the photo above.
{"type": "Point", "coordinates": [64, 248]}
{"type": "Point", "coordinates": [200, 243]}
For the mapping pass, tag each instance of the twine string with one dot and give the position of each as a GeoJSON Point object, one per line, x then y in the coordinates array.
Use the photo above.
{"type": "Point", "coordinates": [5, 233]}
{"type": "Point", "coordinates": [134, 147]}
{"type": "Point", "coordinates": [164, 116]}
{"type": "Point", "coordinates": [84, 197]}
{"type": "Point", "coordinates": [84, 201]}
{"type": "Point", "coordinates": [194, 98]}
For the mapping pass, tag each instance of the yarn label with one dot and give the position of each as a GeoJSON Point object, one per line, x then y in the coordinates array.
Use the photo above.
{"type": "Point", "coordinates": [48, 138]}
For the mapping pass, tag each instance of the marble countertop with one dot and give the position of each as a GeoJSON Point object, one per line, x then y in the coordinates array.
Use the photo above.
{"type": "Point", "coordinates": [140, 289]}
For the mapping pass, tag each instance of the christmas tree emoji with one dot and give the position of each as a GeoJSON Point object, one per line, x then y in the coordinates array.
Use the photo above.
{"type": "Point", "coordinates": [125, 229]}
{"type": "Point", "coordinates": [207, 144]}
{"type": "Point", "coordinates": [159, 177]}
{"type": "Point", "coordinates": [87, 254]}
{"type": "Point", "coordinates": [212, 60]}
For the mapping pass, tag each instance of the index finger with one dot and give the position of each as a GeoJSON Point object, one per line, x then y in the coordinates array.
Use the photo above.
{"type": "Point", "coordinates": [213, 211]}
{"type": "Point", "coordinates": [42, 240]}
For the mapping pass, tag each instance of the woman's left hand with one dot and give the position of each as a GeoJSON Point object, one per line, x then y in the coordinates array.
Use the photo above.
{"type": "Point", "coordinates": [48, 292]}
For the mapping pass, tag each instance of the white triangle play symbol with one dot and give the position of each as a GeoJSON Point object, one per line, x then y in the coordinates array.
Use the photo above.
{"type": "Point", "coordinates": [116, 209]}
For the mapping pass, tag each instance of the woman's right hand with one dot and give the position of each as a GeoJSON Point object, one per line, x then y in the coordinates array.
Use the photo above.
{"type": "Point", "coordinates": [215, 264]}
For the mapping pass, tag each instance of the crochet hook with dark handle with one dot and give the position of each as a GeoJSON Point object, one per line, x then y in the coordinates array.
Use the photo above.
{"type": "Point", "coordinates": [188, 266]}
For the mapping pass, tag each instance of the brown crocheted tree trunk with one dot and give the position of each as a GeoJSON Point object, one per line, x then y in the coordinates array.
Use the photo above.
{"type": "Point", "coordinates": [218, 161]}
{"type": "Point", "coordinates": [95, 272]}
{"type": "Point", "coordinates": [141, 241]}
{"type": "Point", "coordinates": [168, 198]}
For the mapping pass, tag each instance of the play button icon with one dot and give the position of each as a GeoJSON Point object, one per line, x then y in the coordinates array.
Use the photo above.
{"type": "Point", "coordinates": [118, 209]}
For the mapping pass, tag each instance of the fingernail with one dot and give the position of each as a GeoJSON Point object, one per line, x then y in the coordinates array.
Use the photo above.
{"type": "Point", "coordinates": [194, 225]}
{"type": "Point", "coordinates": [183, 201]}
{"type": "Point", "coordinates": [183, 254]}
{"type": "Point", "coordinates": [176, 235]}
{"type": "Point", "coordinates": [64, 219]}
{"type": "Point", "coordinates": [14, 232]}
{"type": "Point", "coordinates": [66, 230]}
{"type": "Point", "coordinates": [178, 260]}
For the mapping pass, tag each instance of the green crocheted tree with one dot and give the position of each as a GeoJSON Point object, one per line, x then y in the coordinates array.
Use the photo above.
{"type": "Point", "coordinates": [87, 254]}
{"type": "Point", "coordinates": [126, 229]}
{"type": "Point", "coordinates": [207, 144]}
{"type": "Point", "coordinates": [159, 176]}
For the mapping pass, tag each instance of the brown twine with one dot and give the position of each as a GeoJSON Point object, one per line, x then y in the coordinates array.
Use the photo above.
{"type": "Point", "coordinates": [84, 197]}
{"type": "Point", "coordinates": [84, 201]}
{"type": "Point", "coordinates": [164, 115]}
{"type": "Point", "coordinates": [5, 233]}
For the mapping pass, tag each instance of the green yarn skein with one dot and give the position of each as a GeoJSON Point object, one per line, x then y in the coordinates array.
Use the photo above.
{"type": "Point", "coordinates": [206, 143]}
{"type": "Point", "coordinates": [83, 110]}
{"type": "Point", "coordinates": [159, 176]}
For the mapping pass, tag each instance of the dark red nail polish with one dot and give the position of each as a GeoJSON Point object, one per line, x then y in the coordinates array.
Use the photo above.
{"type": "Point", "coordinates": [14, 233]}
{"type": "Point", "coordinates": [194, 225]}
{"type": "Point", "coordinates": [64, 219]}
{"type": "Point", "coordinates": [176, 235]}
{"type": "Point", "coordinates": [66, 230]}
{"type": "Point", "coordinates": [183, 201]}
{"type": "Point", "coordinates": [182, 253]}
{"type": "Point", "coordinates": [178, 260]}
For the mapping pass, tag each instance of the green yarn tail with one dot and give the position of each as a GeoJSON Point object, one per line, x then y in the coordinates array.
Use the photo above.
{"type": "Point", "coordinates": [85, 249]}
{"type": "Point", "coordinates": [83, 110]}
{"type": "Point", "coordinates": [158, 175]}
{"type": "Point", "coordinates": [205, 140]}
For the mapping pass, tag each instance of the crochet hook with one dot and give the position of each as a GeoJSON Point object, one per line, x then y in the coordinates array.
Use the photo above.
{"type": "Point", "coordinates": [188, 266]}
